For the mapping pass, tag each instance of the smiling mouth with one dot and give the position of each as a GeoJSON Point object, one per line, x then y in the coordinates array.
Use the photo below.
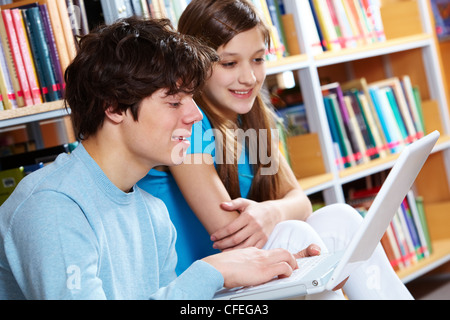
{"type": "Point", "coordinates": [179, 138]}
{"type": "Point", "coordinates": [241, 92]}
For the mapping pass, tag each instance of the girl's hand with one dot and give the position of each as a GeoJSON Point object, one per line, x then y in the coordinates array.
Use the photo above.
{"type": "Point", "coordinates": [251, 229]}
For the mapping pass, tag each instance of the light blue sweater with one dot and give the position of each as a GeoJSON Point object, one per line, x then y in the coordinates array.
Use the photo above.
{"type": "Point", "coordinates": [68, 233]}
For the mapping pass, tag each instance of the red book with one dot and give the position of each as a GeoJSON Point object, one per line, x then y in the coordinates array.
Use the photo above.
{"type": "Point", "coordinates": [28, 62]}
{"type": "Point", "coordinates": [17, 58]}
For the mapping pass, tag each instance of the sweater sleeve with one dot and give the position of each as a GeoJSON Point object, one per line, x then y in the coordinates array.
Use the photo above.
{"type": "Point", "coordinates": [199, 282]}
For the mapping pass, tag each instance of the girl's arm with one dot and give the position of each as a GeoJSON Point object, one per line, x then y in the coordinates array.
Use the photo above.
{"type": "Point", "coordinates": [257, 220]}
{"type": "Point", "coordinates": [241, 222]}
{"type": "Point", "coordinates": [204, 191]}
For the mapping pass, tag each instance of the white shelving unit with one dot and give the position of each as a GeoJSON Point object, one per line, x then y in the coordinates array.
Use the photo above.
{"type": "Point", "coordinates": [307, 68]}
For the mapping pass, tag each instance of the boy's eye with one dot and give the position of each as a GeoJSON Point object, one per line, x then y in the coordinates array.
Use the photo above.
{"type": "Point", "coordinates": [228, 64]}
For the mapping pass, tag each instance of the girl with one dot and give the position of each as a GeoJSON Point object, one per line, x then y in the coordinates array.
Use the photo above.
{"type": "Point", "coordinates": [229, 191]}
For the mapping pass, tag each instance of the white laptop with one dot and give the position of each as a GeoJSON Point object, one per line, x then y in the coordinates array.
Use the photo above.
{"type": "Point", "coordinates": [325, 272]}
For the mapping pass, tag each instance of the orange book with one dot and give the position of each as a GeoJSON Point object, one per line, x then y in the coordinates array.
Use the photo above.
{"type": "Point", "coordinates": [67, 28]}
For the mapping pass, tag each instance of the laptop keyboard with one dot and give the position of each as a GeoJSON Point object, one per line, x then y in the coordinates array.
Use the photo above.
{"type": "Point", "coordinates": [305, 265]}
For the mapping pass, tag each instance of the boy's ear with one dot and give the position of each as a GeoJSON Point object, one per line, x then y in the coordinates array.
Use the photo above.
{"type": "Point", "coordinates": [114, 115]}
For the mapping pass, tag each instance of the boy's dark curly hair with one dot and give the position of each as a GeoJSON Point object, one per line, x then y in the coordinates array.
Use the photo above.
{"type": "Point", "coordinates": [119, 65]}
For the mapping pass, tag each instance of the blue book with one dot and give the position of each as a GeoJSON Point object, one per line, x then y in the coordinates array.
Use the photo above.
{"type": "Point", "coordinates": [42, 54]}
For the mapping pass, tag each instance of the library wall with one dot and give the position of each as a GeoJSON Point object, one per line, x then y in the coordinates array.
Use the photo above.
{"type": "Point", "coordinates": [316, 161]}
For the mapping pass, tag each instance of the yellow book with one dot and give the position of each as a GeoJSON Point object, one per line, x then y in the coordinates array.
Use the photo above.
{"type": "Point", "coordinates": [327, 26]}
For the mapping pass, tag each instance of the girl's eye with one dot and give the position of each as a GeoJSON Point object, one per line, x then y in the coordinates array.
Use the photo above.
{"type": "Point", "coordinates": [175, 104]}
{"type": "Point", "coordinates": [260, 60]}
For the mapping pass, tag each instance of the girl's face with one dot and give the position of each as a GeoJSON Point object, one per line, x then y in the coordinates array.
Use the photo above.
{"type": "Point", "coordinates": [238, 76]}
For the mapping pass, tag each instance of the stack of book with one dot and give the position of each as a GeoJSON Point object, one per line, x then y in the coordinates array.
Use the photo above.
{"type": "Point", "coordinates": [369, 121]}
{"type": "Point", "coordinates": [37, 44]}
{"type": "Point", "coordinates": [407, 239]}
{"type": "Point", "coordinates": [340, 24]}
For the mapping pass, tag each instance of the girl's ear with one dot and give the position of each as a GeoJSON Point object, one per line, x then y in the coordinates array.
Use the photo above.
{"type": "Point", "coordinates": [114, 115]}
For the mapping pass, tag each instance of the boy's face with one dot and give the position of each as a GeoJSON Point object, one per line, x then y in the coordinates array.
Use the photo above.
{"type": "Point", "coordinates": [159, 137]}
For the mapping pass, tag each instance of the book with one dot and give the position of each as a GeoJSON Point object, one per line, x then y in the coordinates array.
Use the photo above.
{"type": "Point", "coordinates": [67, 28]}
{"type": "Point", "coordinates": [10, 64]}
{"type": "Point", "coordinates": [387, 118]}
{"type": "Point", "coordinates": [332, 41]}
{"type": "Point", "coordinates": [7, 92]}
{"type": "Point", "coordinates": [421, 216]}
{"type": "Point", "coordinates": [318, 27]}
{"type": "Point", "coordinates": [404, 241]}
{"type": "Point", "coordinates": [291, 34]}
{"type": "Point", "coordinates": [354, 22]}
{"type": "Point", "coordinates": [83, 19]}
{"type": "Point", "coordinates": [335, 120]}
{"type": "Point", "coordinates": [372, 10]}
{"type": "Point", "coordinates": [277, 49]}
{"type": "Point", "coordinates": [366, 24]}
{"type": "Point", "coordinates": [49, 82]}
{"type": "Point", "coordinates": [400, 107]}
{"type": "Point", "coordinates": [351, 128]}
{"type": "Point", "coordinates": [58, 33]}
{"type": "Point", "coordinates": [359, 145]}
{"type": "Point", "coordinates": [441, 13]}
{"type": "Point", "coordinates": [332, 123]}
{"type": "Point", "coordinates": [348, 37]}
{"type": "Point", "coordinates": [413, 106]}
{"type": "Point", "coordinates": [27, 58]}
{"type": "Point", "coordinates": [53, 50]}
{"type": "Point", "coordinates": [365, 121]}
{"type": "Point", "coordinates": [275, 17]}
{"type": "Point", "coordinates": [19, 66]}
{"type": "Point", "coordinates": [373, 122]}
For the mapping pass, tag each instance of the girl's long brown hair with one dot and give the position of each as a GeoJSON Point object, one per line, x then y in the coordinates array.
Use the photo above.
{"type": "Point", "coordinates": [216, 22]}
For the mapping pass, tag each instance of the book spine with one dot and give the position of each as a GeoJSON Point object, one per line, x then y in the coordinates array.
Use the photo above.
{"type": "Point", "coordinates": [10, 63]}
{"type": "Point", "coordinates": [58, 34]}
{"type": "Point", "coordinates": [18, 63]}
{"type": "Point", "coordinates": [54, 56]}
{"type": "Point", "coordinates": [326, 23]}
{"type": "Point", "coordinates": [9, 95]}
{"type": "Point", "coordinates": [43, 52]}
{"type": "Point", "coordinates": [26, 56]}
{"type": "Point", "coordinates": [66, 28]}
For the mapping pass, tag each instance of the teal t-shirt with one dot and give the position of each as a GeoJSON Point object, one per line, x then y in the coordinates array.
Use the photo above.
{"type": "Point", "coordinates": [193, 241]}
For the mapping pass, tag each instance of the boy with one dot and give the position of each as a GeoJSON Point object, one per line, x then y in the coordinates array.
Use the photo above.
{"type": "Point", "coordinates": [80, 228]}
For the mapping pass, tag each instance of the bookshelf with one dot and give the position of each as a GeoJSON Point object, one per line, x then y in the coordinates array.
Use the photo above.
{"type": "Point", "coordinates": [411, 48]}
{"type": "Point", "coordinates": [410, 41]}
